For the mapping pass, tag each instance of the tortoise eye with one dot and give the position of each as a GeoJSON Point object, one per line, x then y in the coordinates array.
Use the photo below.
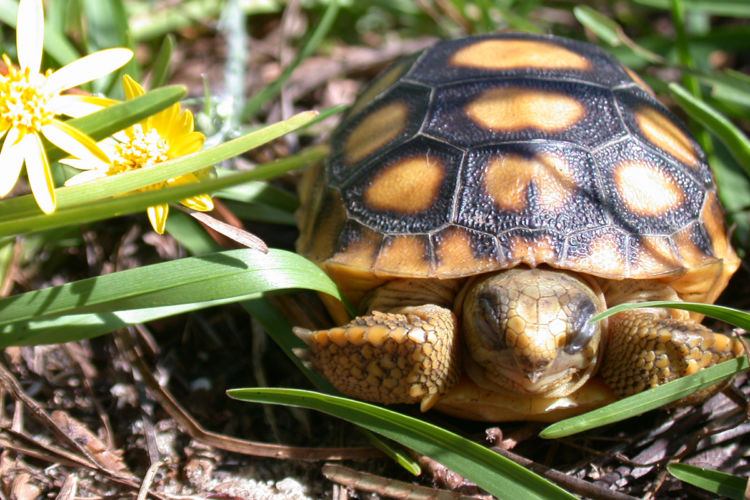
{"type": "Point", "coordinates": [581, 331]}
{"type": "Point", "coordinates": [489, 323]}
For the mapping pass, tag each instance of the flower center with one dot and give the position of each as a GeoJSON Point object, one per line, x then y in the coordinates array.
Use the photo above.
{"type": "Point", "coordinates": [23, 104]}
{"type": "Point", "coordinates": [144, 149]}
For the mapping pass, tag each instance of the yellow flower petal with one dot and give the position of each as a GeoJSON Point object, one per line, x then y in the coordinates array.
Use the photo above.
{"type": "Point", "coordinates": [30, 34]}
{"type": "Point", "coordinates": [201, 203]}
{"type": "Point", "coordinates": [78, 105]}
{"type": "Point", "coordinates": [73, 141]}
{"type": "Point", "coordinates": [88, 68]}
{"type": "Point", "coordinates": [186, 144]}
{"type": "Point", "coordinates": [11, 162]}
{"type": "Point", "coordinates": [38, 172]}
{"type": "Point", "coordinates": [132, 88]}
{"type": "Point", "coordinates": [158, 217]}
{"type": "Point", "coordinates": [163, 121]}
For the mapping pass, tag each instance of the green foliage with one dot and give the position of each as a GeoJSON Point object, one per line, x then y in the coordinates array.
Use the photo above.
{"type": "Point", "coordinates": [713, 481]}
{"type": "Point", "coordinates": [495, 473]}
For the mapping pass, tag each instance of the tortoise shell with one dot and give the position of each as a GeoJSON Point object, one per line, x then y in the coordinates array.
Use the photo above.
{"type": "Point", "coordinates": [488, 152]}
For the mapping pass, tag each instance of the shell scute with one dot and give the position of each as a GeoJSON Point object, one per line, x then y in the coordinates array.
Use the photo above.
{"type": "Point", "coordinates": [492, 111]}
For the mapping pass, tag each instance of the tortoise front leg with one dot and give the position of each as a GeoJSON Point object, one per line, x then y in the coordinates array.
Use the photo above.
{"type": "Point", "coordinates": [645, 350]}
{"type": "Point", "coordinates": [408, 355]}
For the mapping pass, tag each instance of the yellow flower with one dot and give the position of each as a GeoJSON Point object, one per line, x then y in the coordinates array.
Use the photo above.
{"type": "Point", "coordinates": [164, 136]}
{"type": "Point", "coordinates": [30, 101]}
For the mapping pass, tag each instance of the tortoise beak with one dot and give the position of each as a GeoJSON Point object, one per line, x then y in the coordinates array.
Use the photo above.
{"type": "Point", "coordinates": [533, 369]}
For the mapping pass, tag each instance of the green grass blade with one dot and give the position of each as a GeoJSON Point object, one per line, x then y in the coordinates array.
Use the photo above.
{"type": "Point", "coordinates": [160, 67]}
{"type": "Point", "coordinates": [723, 313]}
{"type": "Point", "coordinates": [34, 220]}
{"type": "Point", "coordinates": [604, 27]}
{"type": "Point", "coordinates": [260, 193]}
{"type": "Point", "coordinates": [717, 123]}
{"type": "Point", "coordinates": [165, 288]}
{"type": "Point", "coordinates": [496, 474]}
{"type": "Point", "coordinates": [254, 104]}
{"type": "Point", "coordinates": [174, 168]}
{"type": "Point", "coordinates": [713, 481]}
{"type": "Point", "coordinates": [647, 400]}
{"type": "Point", "coordinates": [733, 8]}
{"type": "Point", "coordinates": [731, 86]}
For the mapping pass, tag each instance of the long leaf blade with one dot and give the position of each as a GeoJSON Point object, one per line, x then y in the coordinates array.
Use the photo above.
{"type": "Point", "coordinates": [713, 481]}
{"type": "Point", "coordinates": [496, 474]}
{"type": "Point", "coordinates": [184, 284]}
{"type": "Point", "coordinates": [647, 400]}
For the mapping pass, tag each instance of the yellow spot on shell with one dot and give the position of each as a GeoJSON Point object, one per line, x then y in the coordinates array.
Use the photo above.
{"type": "Point", "coordinates": [533, 251]}
{"type": "Point", "coordinates": [515, 108]}
{"type": "Point", "coordinates": [455, 256]}
{"type": "Point", "coordinates": [512, 54]}
{"type": "Point", "coordinates": [406, 186]}
{"type": "Point", "coordinates": [664, 134]}
{"type": "Point", "coordinates": [604, 256]}
{"type": "Point", "coordinates": [404, 255]}
{"type": "Point", "coordinates": [646, 189]}
{"type": "Point", "coordinates": [378, 129]}
{"type": "Point", "coordinates": [637, 79]}
{"type": "Point", "coordinates": [382, 83]}
{"type": "Point", "coordinates": [508, 179]}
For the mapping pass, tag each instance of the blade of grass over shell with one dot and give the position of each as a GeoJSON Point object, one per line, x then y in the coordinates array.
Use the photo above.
{"type": "Point", "coordinates": [732, 137]}
{"type": "Point", "coordinates": [647, 400]}
{"type": "Point", "coordinates": [166, 288]}
{"type": "Point", "coordinates": [279, 329]}
{"type": "Point", "coordinates": [492, 472]}
{"type": "Point", "coordinates": [714, 481]}
{"type": "Point", "coordinates": [727, 314]}
{"type": "Point", "coordinates": [254, 104]}
{"type": "Point", "coordinates": [84, 212]}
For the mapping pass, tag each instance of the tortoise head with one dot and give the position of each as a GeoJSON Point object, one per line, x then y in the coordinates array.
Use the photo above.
{"type": "Point", "coordinates": [527, 331]}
